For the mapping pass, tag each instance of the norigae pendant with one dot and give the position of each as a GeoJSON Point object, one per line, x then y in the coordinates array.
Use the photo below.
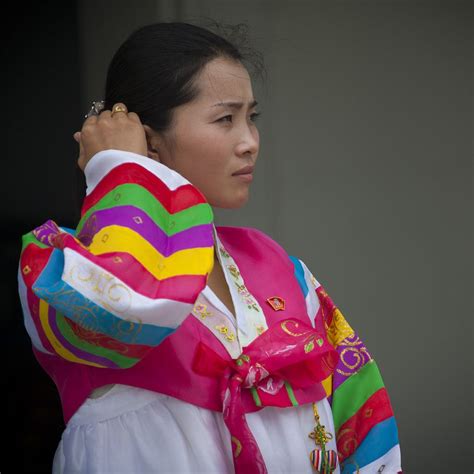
{"type": "Point", "coordinates": [323, 462]}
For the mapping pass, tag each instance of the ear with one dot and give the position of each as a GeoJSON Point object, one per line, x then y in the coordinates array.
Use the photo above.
{"type": "Point", "coordinates": [152, 143]}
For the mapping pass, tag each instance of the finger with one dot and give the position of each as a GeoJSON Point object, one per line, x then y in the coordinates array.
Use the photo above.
{"type": "Point", "coordinates": [81, 158]}
{"type": "Point", "coordinates": [78, 138]}
{"type": "Point", "coordinates": [104, 115]}
{"type": "Point", "coordinates": [119, 113]}
{"type": "Point", "coordinates": [133, 116]}
{"type": "Point", "coordinates": [89, 121]}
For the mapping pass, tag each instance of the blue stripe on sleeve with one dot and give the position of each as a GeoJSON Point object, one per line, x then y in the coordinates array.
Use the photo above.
{"type": "Point", "coordinates": [50, 287]}
{"type": "Point", "coordinates": [69, 230]}
{"type": "Point", "coordinates": [380, 439]}
{"type": "Point", "coordinates": [299, 274]}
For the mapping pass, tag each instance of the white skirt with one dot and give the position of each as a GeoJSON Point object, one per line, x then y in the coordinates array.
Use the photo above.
{"type": "Point", "coordinates": [133, 430]}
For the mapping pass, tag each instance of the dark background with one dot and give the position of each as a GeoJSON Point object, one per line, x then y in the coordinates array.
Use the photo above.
{"type": "Point", "coordinates": [40, 181]}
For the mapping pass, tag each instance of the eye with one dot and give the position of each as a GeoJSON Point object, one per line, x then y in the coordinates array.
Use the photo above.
{"type": "Point", "coordinates": [253, 117]}
{"type": "Point", "coordinates": [223, 119]}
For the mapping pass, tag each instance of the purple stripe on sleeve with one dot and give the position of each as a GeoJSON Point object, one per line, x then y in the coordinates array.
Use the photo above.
{"type": "Point", "coordinates": [353, 355]}
{"type": "Point", "coordinates": [140, 222]}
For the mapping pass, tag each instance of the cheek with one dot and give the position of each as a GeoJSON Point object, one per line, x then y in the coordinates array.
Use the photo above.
{"type": "Point", "coordinates": [210, 158]}
{"type": "Point", "coordinates": [203, 158]}
{"type": "Point", "coordinates": [213, 179]}
{"type": "Point", "coordinates": [205, 169]}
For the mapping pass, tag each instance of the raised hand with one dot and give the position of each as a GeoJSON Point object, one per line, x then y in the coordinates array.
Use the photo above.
{"type": "Point", "coordinates": [116, 129]}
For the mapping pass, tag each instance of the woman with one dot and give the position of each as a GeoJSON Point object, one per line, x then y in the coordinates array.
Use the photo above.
{"type": "Point", "coordinates": [177, 345]}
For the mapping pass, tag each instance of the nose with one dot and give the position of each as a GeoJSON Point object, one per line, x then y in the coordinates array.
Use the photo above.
{"type": "Point", "coordinates": [249, 142]}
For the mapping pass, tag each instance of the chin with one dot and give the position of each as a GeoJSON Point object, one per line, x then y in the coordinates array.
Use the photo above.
{"type": "Point", "coordinates": [234, 202]}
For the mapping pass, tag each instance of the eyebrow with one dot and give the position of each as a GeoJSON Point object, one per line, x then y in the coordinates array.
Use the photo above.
{"type": "Point", "coordinates": [235, 105]}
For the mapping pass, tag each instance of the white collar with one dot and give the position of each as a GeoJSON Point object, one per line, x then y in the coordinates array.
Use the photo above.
{"type": "Point", "coordinates": [249, 319]}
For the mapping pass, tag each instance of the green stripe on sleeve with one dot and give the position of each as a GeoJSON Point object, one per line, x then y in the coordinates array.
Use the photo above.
{"type": "Point", "coordinates": [68, 333]}
{"type": "Point", "coordinates": [30, 238]}
{"type": "Point", "coordinates": [354, 392]}
{"type": "Point", "coordinates": [131, 194]}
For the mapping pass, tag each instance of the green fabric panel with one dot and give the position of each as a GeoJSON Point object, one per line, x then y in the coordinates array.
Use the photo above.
{"type": "Point", "coordinates": [354, 392]}
{"type": "Point", "coordinates": [30, 238]}
{"type": "Point", "coordinates": [68, 333]}
{"type": "Point", "coordinates": [131, 194]}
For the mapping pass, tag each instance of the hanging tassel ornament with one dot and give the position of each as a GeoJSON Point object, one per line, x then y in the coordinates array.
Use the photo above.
{"type": "Point", "coordinates": [323, 462]}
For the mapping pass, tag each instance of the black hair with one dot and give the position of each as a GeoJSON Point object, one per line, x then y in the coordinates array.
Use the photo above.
{"type": "Point", "coordinates": [154, 70]}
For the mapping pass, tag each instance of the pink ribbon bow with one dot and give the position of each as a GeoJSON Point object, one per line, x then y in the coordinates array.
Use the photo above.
{"type": "Point", "coordinates": [290, 351]}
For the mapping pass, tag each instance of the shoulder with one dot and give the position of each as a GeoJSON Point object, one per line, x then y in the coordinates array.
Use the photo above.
{"type": "Point", "coordinates": [256, 239]}
{"type": "Point", "coordinates": [248, 236]}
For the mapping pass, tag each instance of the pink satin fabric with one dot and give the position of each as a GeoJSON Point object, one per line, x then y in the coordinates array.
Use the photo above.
{"type": "Point", "coordinates": [280, 351]}
{"type": "Point", "coordinates": [290, 351]}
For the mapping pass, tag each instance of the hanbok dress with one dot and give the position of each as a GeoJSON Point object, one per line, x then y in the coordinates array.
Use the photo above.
{"type": "Point", "coordinates": [124, 428]}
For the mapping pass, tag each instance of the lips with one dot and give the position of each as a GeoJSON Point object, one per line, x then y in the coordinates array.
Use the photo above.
{"type": "Point", "coordinates": [245, 170]}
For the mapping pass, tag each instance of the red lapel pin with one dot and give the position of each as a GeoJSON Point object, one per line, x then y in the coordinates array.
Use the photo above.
{"type": "Point", "coordinates": [277, 303]}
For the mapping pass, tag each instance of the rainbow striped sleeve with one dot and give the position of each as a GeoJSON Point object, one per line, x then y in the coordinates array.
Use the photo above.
{"type": "Point", "coordinates": [106, 293]}
{"type": "Point", "coordinates": [366, 429]}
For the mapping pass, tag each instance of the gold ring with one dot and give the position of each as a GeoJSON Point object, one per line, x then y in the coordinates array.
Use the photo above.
{"type": "Point", "coordinates": [118, 108]}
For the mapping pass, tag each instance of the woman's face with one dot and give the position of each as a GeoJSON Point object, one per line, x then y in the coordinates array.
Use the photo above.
{"type": "Point", "coordinates": [211, 142]}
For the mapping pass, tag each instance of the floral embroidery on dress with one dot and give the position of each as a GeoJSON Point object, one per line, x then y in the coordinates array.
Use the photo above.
{"type": "Point", "coordinates": [223, 329]}
{"type": "Point", "coordinates": [200, 309]}
{"type": "Point", "coordinates": [233, 271]}
{"type": "Point", "coordinates": [247, 297]}
{"type": "Point", "coordinates": [260, 328]}
{"type": "Point", "coordinates": [223, 252]}
{"type": "Point", "coordinates": [249, 318]}
{"type": "Point", "coordinates": [217, 323]}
